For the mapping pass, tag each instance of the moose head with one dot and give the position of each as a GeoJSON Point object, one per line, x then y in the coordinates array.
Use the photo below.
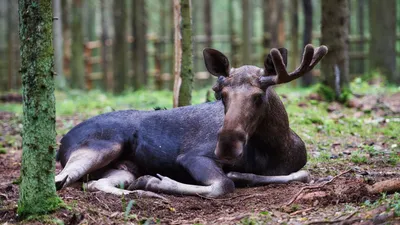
{"type": "Point", "coordinates": [244, 92]}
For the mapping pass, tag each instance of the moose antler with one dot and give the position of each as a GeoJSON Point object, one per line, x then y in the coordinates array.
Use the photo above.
{"type": "Point", "coordinates": [311, 57]}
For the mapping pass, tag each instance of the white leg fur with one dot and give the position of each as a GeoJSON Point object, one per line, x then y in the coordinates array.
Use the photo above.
{"type": "Point", "coordinates": [84, 161]}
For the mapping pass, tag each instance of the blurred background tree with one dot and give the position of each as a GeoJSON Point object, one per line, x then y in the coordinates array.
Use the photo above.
{"type": "Point", "coordinates": [109, 49]}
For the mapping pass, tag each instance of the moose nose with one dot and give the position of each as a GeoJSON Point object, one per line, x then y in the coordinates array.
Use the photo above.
{"type": "Point", "coordinates": [230, 145]}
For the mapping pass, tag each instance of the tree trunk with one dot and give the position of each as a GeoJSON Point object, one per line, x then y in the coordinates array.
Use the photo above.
{"type": "Point", "coordinates": [334, 30]}
{"type": "Point", "coordinates": [208, 23]}
{"type": "Point", "coordinates": [37, 190]}
{"type": "Point", "coordinates": [58, 45]}
{"type": "Point", "coordinates": [3, 44]}
{"type": "Point", "coordinates": [77, 59]}
{"type": "Point", "coordinates": [273, 21]}
{"type": "Point", "coordinates": [139, 49]}
{"type": "Point", "coordinates": [104, 47]}
{"type": "Point", "coordinates": [382, 51]}
{"type": "Point", "coordinates": [232, 33]}
{"type": "Point", "coordinates": [281, 24]}
{"type": "Point", "coordinates": [66, 32]}
{"type": "Point", "coordinates": [12, 44]}
{"type": "Point", "coordinates": [294, 33]}
{"type": "Point", "coordinates": [246, 32]}
{"type": "Point", "coordinates": [361, 33]}
{"type": "Point", "coordinates": [307, 79]}
{"type": "Point", "coordinates": [120, 54]}
{"type": "Point", "coordinates": [266, 28]}
{"type": "Point", "coordinates": [183, 53]}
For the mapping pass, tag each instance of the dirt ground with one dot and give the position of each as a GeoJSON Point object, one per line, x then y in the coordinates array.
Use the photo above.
{"type": "Point", "coordinates": [338, 201]}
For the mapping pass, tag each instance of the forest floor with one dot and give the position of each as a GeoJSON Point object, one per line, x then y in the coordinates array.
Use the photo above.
{"type": "Point", "coordinates": [350, 148]}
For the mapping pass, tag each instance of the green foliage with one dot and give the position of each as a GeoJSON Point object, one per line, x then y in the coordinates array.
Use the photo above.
{"type": "Point", "coordinates": [391, 201]}
{"type": "Point", "coordinates": [328, 94]}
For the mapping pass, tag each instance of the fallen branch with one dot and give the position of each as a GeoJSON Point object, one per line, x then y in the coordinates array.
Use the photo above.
{"type": "Point", "coordinates": [346, 220]}
{"type": "Point", "coordinates": [388, 186]}
{"type": "Point", "coordinates": [316, 186]}
{"type": "Point", "coordinates": [301, 211]}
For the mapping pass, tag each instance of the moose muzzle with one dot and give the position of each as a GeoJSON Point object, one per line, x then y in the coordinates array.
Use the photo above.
{"type": "Point", "coordinates": [230, 144]}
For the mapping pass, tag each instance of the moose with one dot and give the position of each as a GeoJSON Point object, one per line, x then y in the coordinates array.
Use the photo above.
{"type": "Point", "coordinates": [242, 139]}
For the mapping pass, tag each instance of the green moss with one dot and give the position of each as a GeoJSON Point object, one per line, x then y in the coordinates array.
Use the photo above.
{"type": "Point", "coordinates": [33, 209]}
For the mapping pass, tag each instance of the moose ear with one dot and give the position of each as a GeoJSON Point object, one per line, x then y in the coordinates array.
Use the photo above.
{"type": "Point", "coordinates": [216, 62]}
{"type": "Point", "coordinates": [269, 65]}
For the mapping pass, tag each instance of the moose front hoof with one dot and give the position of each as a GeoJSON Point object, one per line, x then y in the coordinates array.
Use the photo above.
{"type": "Point", "coordinates": [144, 183]}
{"type": "Point", "coordinates": [302, 176]}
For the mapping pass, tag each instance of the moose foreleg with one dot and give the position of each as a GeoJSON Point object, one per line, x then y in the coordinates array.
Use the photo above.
{"type": "Point", "coordinates": [213, 182]}
{"type": "Point", "coordinates": [249, 179]}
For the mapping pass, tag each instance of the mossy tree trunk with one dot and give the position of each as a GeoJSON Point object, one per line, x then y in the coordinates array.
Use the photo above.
{"type": "Point", "coordinates": [183, 84]}
{"type": "Point", "coordinates": [139, 50]}
{"type": "Point", "coordinates": [77, 59]}
{"type": "Point", "coordinates": [382, 51]}
{"type": "Point", "coordinates": [335, 35]}
{"type": "Point", "coordinates": [37, 188]}
{"type": "Point", "coordinates": [120, 54]}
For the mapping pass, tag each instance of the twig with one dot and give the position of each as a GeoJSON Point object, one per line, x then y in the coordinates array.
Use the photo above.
{"type": "Point", "coordinates": [301, 211]}
{"type": "Point", "coordinates": [316, 186]}
{"type": "Point", "coordinates": [334, 221]}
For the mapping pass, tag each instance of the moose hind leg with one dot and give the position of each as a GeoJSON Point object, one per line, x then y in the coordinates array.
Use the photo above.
{"type": "Point", "coordinates": [249, 179]}
{"type": "Point", "coordinates": [91, 157]}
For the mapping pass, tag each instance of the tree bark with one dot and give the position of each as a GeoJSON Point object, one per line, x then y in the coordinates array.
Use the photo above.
{"type": "Point", "coordinates": [77, 59]}
{"type": "Point", "coordinates": [183, 43]}
{"type": "Point", "coordinates": [246, 32]}
{"type": "Point", "coordinates": [382, 52]}
{"type": "Point", "coordinates": [307, 79]}
{"type": "Point", "coordinates": [207, 22]}
{"type": "Point", "coordinates": [334, 30]}
{"type": "Point", "coordinates": [12, 43]}
{"type": "Point", "coordinates": [294, 33]}
{"type": "Point", "coordinates": [232, 33]}
{"type": "Point", "coordinates": [139, 50]}
{"type": "Point", "coordinates": [361, 33]}
{"type": "Point", "coordinates": [104, 47]}
{"type": "Point", "coordinates": [58, 45]}
{"type": "Point", "coordinates": [3, 46]}
{"type": "Point", "coordinates": [37, 188]}
{"type": "Point", "coordinates": [266, 28]}
{"type": "Point", "coordinates": [120, 54]}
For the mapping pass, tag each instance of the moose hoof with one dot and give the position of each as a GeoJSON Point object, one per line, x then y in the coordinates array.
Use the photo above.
{"type": "Point", "coordinates": [60, 182]}
{"type": "Point", "coordinates": [301, 176]}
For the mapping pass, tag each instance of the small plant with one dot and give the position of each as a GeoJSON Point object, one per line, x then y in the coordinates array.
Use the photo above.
{"type": "Point", "coordinates": [128, 210]}
{"type": "Point", "coordinates": [358, 158]}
